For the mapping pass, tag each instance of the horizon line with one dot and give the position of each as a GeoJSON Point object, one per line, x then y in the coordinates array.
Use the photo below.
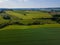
{"type": "Point", "coordinates": [27, 7]}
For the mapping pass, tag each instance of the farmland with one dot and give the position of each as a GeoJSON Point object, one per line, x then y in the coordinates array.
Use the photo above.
{"type": "Point", "coordinates": [29, 27]}
{"type": "Point", "coordinates": [26, 17]}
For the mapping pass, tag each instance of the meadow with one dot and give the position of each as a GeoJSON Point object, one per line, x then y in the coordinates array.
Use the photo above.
{"type": "Point", "coordinates": [27, 27]}
{"type": "Point", "coordinates": [26, 17]}
{"type": "Point", "coordinates": [37, 36]}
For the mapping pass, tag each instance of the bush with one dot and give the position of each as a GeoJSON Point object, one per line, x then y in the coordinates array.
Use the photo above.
{"type": "Point", "coordinates": [6, 17]}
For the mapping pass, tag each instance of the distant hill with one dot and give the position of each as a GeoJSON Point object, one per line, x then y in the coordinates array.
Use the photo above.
{"type": "Point", "coordinates": [58, 8]}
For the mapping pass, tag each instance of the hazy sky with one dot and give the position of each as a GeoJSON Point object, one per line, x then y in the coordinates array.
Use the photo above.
{"type": "Point", "coordinates": [29, 3]}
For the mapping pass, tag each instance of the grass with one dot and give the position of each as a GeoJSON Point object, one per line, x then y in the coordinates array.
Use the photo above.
{"type": "Point", "coordinates": [32, 26]}
{"type": "Point", "coordinates": [39, 36]}
{"type": "Point", "coordinates": [30, 15]}
{"type": "Point", "coordinates": [2, 21]}
{"type": "Point", "coordinates": [47, 34]}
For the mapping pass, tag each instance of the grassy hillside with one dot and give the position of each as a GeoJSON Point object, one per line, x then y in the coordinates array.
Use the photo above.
{"type": "Point", "coordinates": [2, 21]}
{"type": "Point", "coordinates": [29, 28]}
{"type": "Point", "coordinates": [30, 15]}
{"type": "Point", "coordinates": [12, 27]}
{"type": "Point", "coordinates": [26, 18]}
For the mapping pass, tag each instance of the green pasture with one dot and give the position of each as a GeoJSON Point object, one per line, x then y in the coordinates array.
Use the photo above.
{"type": "Point", "coordinates": [10, 27]}
{"type": "Point", "coordinates": [29, 15]}
{"type": "Point", "coordinates": [2, 21]}
{"type": "Point", "coordinates": [46, 33]}
{"type": "Point", "coordinates": [37, 36]}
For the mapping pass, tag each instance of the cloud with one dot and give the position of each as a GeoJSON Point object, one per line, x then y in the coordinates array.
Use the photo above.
{"type": "Point", "coordinates": [26, 0]}
{"type": "Point", "coordinates": [23, 0]}
{"type": "Point", "coordinates": [3, 0]}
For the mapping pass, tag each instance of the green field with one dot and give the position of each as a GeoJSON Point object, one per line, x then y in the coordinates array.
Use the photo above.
{"type": "Point", "coordinates": [11, 27]}
{"type": "Point", "coordinates": [26, 18]}
{"type": "Point", "coordinates": [30, 15]}
{"type": "Point", "coordinates": [29, 28]}
{"type": "Point", "coordinates": [40, 36]}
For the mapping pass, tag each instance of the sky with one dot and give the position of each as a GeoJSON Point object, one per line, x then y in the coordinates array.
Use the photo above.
{"type": "Point", "coordinates": [29, 3]}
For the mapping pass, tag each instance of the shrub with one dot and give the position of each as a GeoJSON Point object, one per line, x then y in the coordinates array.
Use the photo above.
{"type": "Point", "coordinates": [6, 17]}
